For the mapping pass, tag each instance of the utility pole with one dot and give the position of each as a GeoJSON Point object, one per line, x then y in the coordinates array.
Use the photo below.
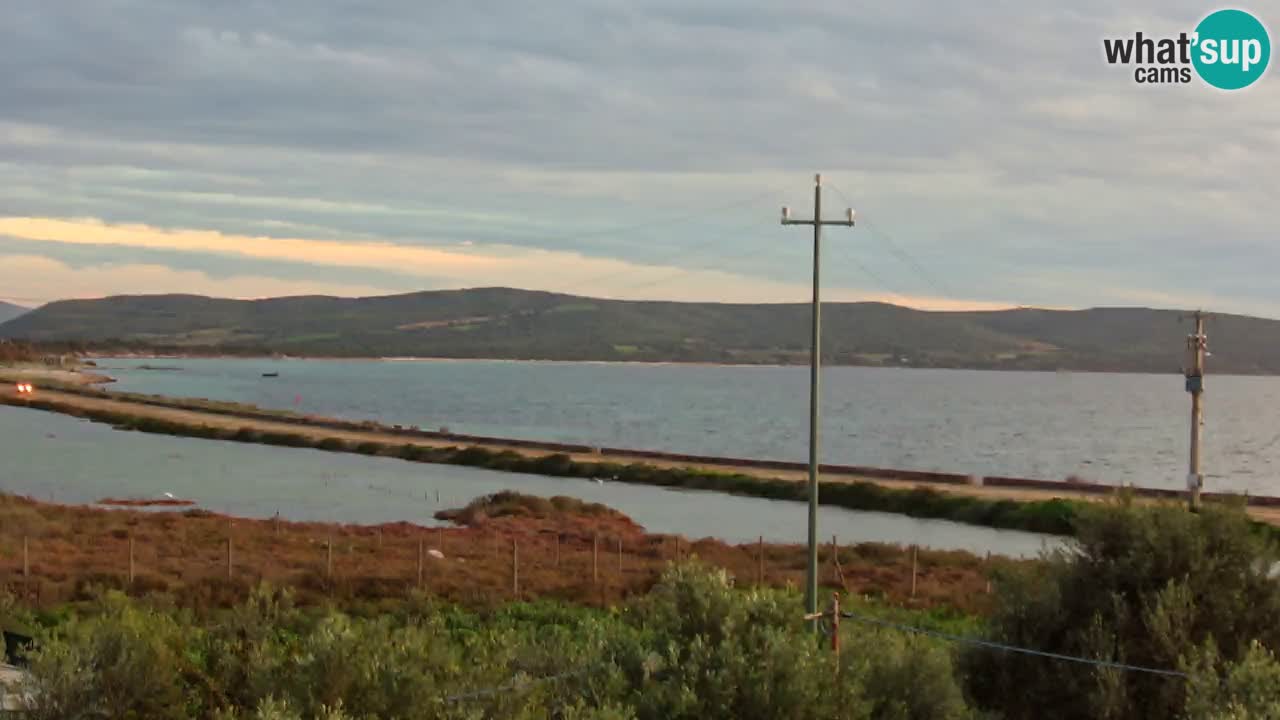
{"type": "Point", "coordinates": [815, 363]}
{"type": "Point", "coordinates": [1197, 345]}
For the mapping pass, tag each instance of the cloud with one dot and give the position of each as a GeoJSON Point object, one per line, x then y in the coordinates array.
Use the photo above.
{"type": "Point", "coordinates": [400, 268]}
{"type": "Point", "coordinates": [27, 279]}
{"type": "Point", "coordinates": [991, 140]}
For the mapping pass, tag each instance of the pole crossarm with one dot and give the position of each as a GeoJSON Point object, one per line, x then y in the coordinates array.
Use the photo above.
{"type": "Point", "coordinates": [824, 223]}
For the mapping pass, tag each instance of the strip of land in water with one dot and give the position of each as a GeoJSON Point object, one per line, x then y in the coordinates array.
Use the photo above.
{"type": "Point", "coordinates": [1010, 503]}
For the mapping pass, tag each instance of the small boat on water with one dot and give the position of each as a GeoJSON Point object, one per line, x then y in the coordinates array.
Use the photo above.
{"type": "Point", "coordinates": [271, 374]}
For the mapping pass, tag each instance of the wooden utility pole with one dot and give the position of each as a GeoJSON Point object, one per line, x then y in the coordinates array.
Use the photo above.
{"type": "Point", "coordinates": [1197, 345]}
{"type": "Point", "coordinates": [834, 615]}
{"type": "Point", "coordinates": [815, 363]}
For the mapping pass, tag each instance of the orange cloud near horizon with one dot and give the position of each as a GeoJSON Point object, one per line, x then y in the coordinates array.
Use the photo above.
{"type": "Point", "coordinates": [472, 266]}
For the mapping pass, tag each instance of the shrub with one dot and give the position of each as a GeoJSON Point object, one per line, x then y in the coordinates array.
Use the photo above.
{"type": "Point", "coordinates": [1143, 585]}
{"type": "Point", "coordinates": [124, 662]}
{"type": "Point", "coordinates": [333, 444]}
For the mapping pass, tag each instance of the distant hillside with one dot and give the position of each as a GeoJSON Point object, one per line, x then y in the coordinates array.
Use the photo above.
{"type": "Point", "coordinates": [9, 311]}
{"type": "Point", "coordinates": [505, 323]}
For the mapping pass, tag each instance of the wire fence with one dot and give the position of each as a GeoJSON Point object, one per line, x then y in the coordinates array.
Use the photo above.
{"type": "Point", "coordinates": [211, 558]}
{"type": "Point", "coordinates": [978, 642]}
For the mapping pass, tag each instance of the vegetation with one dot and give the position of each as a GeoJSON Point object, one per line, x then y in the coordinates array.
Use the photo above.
{"type": "Point", "coordinates": [1151, 587]}
{"type": "Point", "coordinates": [9, 311]}
{"type": "Point", "coordinates": [182, 554]}
{"type": "Point", "coordinates": [509, 503]}
{"type": "Point", "coordinates": [15, 352]}
{"type": "Point", "coordinates": [506, 323]}
{"type": "Point", "coordinates": [695, 647]}
{"type": "Point", "coordinates": [1156, 587]}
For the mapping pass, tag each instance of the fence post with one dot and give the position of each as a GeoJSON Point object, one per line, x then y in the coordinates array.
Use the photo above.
{"type": "Point", "coordinates": [379, 538]}
{"type": "Point", "coordinates": [557, 549]}
{"type": "Point", "coordinates": [915, 551]}
{"type": "Point", "coordinates": [440, 539]}
{"type": "Point", "coordinates": [595, 558]}
{"type": "Point", "coordinates": [130, 559]}
{"type": "Point", "coordinates": [328, 561]}
{"type": "Point", "coordinates": [835, 628]}
{"type": "Point", "coordinates": [760, 561]}
{"type": "Point", "coordinates": [419, 561]}
{"type": "Point", "coordinates": [619, 554]}
{"type": "Point", "coordinates": [986, 569]}
{"type": "Point", "coordinates": [515, 569]}
{"type": "Point", "coordinates": [26, 563]}
{"type": "Point", "coordinates": [229, 557]}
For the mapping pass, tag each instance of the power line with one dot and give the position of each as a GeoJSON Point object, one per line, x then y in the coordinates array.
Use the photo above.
{"type": "Point", "coordinates": [519, 682]}
{"type": "Point", "coordinates": [903, 256]}
{"type": "Point", "coordinates": [588, 280]}
{"type": "Point", "coordinates": [687, 251]}
{"type": "Point", "coordinates": [873, 275]}
{"type": "Point", "coordinates": [683, 272]}
{"type": "Point", "coordinates": [1010, 648]}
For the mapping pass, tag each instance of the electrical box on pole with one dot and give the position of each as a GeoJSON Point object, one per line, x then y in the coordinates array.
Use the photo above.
{"type": "Point", "coordinates": [1197, 347]}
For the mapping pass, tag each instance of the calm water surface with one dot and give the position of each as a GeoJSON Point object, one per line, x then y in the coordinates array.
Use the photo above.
{"type": "Point", "coordinates": [55, 457]}
{"type": "Point", "coordinates": [1111, 428]}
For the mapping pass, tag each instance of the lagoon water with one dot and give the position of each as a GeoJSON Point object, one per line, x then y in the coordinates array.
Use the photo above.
{"type": "Point", "coordinates": [1109, 428]}
{"type": "Point", "coordinates": [64, 459]}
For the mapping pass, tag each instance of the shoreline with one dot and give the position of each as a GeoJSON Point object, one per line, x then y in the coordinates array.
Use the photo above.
{"type": "Point", "coordinates": [1002, 503]}
{"type": "Point", "coordinates": [80, 377]}
{"type": "Point", "coordinates": [675, 363]}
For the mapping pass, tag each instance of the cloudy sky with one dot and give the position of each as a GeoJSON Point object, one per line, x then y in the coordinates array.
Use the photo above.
{"type": "Point", "coordinates": [627, 148]}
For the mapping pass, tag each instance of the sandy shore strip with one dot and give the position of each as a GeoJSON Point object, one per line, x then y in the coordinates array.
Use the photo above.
{"type": "Point", "coordinates": [85, 376]}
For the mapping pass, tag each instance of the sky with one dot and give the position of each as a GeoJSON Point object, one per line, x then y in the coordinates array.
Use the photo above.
{"type": "Point", "coordinates": [630, 149]}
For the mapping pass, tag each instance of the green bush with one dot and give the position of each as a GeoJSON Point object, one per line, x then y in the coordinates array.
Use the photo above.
{"type": "Point", "coordinates": [124, 662]}
{"type": "Point", "coordinates": [695, 648]}
{"type": "Point", "coordinates": [1143, 585]}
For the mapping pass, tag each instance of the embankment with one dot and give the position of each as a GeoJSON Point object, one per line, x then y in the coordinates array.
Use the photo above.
{"type": "Point", "coordinates": [1007, 503]}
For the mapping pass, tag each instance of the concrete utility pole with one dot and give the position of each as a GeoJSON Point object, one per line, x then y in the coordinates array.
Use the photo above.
{"type": "Point", "coordinates": [815, 363]}
{"type": "Point", "coordinates": [1197, 345]}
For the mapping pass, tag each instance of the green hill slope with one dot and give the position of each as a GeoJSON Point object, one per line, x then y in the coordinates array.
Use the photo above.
{"type": "Point", "coordinates": [506, 323]}
{"type": "Point", "coordinates": [9, 311]}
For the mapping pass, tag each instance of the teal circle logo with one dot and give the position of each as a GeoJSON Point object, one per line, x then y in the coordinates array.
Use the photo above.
{"type": "Point", "coordinates": [1232, 49]}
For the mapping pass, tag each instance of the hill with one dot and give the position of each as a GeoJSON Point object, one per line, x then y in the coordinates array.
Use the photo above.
{"type": "Point", "coordinates": [9, 311]}
{"type": "Point", "coordinates": [507, 323]}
